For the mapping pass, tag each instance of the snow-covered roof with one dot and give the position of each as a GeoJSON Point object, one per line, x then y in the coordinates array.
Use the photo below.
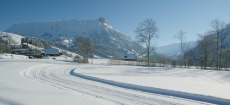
{"type": "Point", "coordinates": [20, 50]}
{"type": "Point", "coordinates": [51, 51]}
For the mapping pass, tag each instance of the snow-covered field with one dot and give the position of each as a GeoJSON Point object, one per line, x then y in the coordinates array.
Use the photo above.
{"type": "Point", "coordinates": [54, 82]}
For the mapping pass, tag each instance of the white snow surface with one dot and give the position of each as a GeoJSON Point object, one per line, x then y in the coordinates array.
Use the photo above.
{"type": "Point", "coordinates": [53, 82]}
{"type": "Point", "coordinates": [16, 89]}
{"type": "Point", "coordinates": [12, 56]}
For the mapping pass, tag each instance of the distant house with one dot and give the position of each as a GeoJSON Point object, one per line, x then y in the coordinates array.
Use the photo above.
{"type": "Point", "coordinates": [52, 52]}
{"type": "Point", "coordinates": [19, 51]}
{"type": "Point", "coordinates": [129, 57]}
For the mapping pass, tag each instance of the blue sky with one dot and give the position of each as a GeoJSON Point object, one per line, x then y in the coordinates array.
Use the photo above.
{"type": "Point", "coordinates": [192, 16]}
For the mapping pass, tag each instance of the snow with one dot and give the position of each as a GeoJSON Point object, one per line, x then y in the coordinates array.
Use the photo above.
{"type": "Point", "coordinates": [12, 56]}
{"type": "Point", "coordinates": [206, 82]}
{"type": "Point", "coordinates": [56, 82]}
{"type": "Point", "coordinates": [33, 47]}
{"type": "Point", "coordinates": [18, 90]}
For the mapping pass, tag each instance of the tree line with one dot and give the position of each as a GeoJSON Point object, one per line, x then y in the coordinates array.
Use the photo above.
{"type": "Point", "coordinates": [212, 50]}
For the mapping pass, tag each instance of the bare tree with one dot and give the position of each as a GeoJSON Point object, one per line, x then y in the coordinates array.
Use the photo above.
{"type": "Point", "coordinates": [218, 29]}
{"type": "Point", "coordinates": [90, 44]}
{"type": "Point", "coordinates": [141, 52]}
{"type": "Point", "coordinates": [205, 43]}
{"type": "Point", "coordinates": [146, 32]}
{"type": "Point", "coordinates": [183, 45]}
{"type": "Point", "coordinates": [84, 47]}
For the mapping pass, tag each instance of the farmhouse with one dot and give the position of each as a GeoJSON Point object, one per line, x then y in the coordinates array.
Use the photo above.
{"type": "Point", "coordinates": [52, 52]}
{"type": "Point", "coordinates": [29, 52]}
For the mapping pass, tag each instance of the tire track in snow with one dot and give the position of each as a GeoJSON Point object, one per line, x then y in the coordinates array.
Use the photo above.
{"type": "Point", "coordinates": [59, 77]}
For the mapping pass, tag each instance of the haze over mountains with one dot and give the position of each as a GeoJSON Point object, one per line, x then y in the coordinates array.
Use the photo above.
{"type": "Point", "coordinates": [107, 39]}
{"type": "Point", "coordinates": [173, 50]}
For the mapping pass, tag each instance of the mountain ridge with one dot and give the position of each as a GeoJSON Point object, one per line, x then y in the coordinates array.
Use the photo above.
{"type": "Point", "coordinates": [107, 38]}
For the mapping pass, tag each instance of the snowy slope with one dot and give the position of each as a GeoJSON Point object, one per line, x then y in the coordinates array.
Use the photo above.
{"type": "Point", "coordinates": [15, 37]}
{"type": "Point", "coordinates": [173, 50]}
{"type": "Point", "coordinates": [105, 36]}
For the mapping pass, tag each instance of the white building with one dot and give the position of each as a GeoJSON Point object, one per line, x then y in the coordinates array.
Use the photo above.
{"type": "Point", "coordinates": [129, 57]}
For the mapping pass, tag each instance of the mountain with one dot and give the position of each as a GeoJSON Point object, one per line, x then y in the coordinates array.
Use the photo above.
{"type": "Point", "coordinates": [108, 40]}
{"type": "Point", "coordinates": [173, 50]}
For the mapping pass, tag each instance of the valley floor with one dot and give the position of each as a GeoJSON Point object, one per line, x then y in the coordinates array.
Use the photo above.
{"type": "Point", "coordinates": [46, 81]}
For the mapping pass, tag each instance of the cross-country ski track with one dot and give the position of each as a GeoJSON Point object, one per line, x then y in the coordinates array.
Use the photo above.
{"type": "Point", "coordinates": [111, 92]}
{"type": "Point", "coordinates": [57, 82]}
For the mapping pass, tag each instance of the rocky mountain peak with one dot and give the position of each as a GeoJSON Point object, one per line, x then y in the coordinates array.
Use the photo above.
{"type": "Point", "coordinates": [103, 20]}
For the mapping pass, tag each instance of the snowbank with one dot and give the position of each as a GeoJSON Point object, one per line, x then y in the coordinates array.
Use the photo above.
{"type": "Point", "coordinates": [12, 56]}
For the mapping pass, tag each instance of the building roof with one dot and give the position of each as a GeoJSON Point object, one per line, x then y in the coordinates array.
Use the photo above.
{"type": "Point", "coordinates": [27, 51]}
{"type": "Point", "coordinates": [19, 50]}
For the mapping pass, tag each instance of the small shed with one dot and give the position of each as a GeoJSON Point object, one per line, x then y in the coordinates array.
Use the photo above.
{"type": "Point", "coordinates": [129, 57]}
{"type": "Point", "coordinates": [52, 52]}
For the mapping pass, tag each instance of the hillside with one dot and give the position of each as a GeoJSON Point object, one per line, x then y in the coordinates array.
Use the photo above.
{"type": "Point", "coordinates": [108, 40]}
{"type": "Point", "coordinates": [15, 38]}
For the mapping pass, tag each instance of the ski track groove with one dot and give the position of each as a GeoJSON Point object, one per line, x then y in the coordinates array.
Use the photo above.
{"type": "Point", "coordinates": [59, 77]}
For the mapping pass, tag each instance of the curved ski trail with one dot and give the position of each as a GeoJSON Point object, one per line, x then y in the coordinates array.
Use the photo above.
{"type": "Point", "coordinates": [59, 76]}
